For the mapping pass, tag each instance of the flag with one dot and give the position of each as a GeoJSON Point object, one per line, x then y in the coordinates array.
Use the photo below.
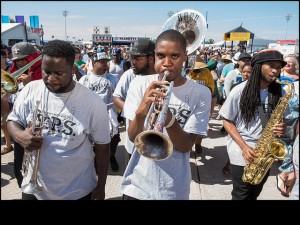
{"type": "Point", "coordinates": [5, 19]}
{"type": "Point", "coordinates": [34, 21]}
{"type": "Point", "coordinates": [20, 19]}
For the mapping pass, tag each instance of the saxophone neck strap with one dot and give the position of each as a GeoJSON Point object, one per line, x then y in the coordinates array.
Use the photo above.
{"type": "Point", "coordinates": [264, 117]}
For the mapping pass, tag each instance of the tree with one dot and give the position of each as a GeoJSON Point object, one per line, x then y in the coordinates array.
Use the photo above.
{"type": "Point", "coordinates": [210, 41]}
{"type": "Point", "coordinates": [12, 21]}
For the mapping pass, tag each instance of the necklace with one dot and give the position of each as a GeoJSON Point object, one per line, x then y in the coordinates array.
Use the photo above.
{"type": "Point", "coordinates": [52, 127]}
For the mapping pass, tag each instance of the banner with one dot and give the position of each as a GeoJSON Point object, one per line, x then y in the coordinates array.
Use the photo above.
{"type": "Point", "coordinates": [5, 19]}
{"type": "Point", "coordinates": [34, 21]}
{"type": "Point", "coordinates": [286, 42]}
{"type": "Point", "coordinates": [38, 31]}
{"type": "Point", "coordinates": [239, 36]}
{"type": "Point", "coordinates": [20, 19]}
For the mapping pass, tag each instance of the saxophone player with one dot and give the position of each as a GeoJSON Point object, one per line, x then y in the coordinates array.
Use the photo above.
{"type": "Point", "coordinates": [243, 122]}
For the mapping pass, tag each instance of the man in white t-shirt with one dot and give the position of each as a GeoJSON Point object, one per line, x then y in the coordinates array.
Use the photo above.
{"type": "Point", "coordinates": [187, 116]}
{"type": "Point", "coordinates": [142, 60]}
{"type": "Point", "coordinates": [242, 120]}
{"type": "Point", "coordinates": [75, 132]}
{"type": "Point", "coordinates": [104, 84]}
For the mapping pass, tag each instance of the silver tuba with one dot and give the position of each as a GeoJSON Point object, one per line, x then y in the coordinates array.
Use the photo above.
{"type": "Point", "coordinates": [192, 25]}
{"type": "Point", "coordinates": [30, 183]}
{"type": "Point", "coordinates": [152, 143]}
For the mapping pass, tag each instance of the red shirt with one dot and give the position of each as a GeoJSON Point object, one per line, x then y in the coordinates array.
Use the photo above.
{"type": "Point", "coordinates": [35, 68]}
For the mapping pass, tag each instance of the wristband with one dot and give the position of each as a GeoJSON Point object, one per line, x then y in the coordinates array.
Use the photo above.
{"type": "Point", "coordinates": [171, 122]}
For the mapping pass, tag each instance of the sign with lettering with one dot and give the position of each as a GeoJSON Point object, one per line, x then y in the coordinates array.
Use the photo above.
{"type": "Point", "coordinates": [239, 36]}
{"type": "Point", "coordinates": [286, 42]}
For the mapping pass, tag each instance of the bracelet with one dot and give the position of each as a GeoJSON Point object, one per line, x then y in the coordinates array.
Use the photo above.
{"type": "Point", "coordinates": [171, 122]}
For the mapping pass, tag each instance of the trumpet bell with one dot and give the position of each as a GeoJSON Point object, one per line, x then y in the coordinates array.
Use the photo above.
{"type": "Point", "coordinates": [153, 145]}
{"type": "Point", "coordinates": [191, 24]}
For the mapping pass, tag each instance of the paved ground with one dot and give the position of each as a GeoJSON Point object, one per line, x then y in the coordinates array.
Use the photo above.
{"type": "Point", "coordinates": [208, 182]}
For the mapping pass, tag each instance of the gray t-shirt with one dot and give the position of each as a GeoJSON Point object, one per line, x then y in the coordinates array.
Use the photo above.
{"type": "Point", "coordinates": [73, 121]}
{"type": "Point", "coordinates": [169, 178]}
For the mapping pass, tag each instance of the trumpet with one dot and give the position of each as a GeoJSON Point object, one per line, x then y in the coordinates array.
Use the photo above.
{"type": "Point", "coordinates": [152, 143]}
{"type": "Point", "coordinates": [9, 81]}
{"type": "Point", "coordinates": [30, 184]}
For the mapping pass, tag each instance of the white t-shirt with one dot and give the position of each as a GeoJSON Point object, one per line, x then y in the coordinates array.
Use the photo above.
{"type": "Point", "coordinates": [230, 79]}
{"type": "Point", "coordinates": [116, 69]}
{"type": "Point", "coordinates": [169, 178]}
{"type": "Point", "coordinates": [121, 91]}
{"type": "Point", "coordinates": [104, 86]}
{"type": "Point", "coordinates": [73, 121]}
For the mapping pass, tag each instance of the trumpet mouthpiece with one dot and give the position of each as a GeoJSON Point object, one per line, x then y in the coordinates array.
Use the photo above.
{"type": "Point", "coordinates": [166, 73]}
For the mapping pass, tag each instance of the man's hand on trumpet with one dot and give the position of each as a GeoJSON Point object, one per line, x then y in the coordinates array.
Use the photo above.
{"type": "Point", "coordinates": [30, 141]}
{"type": "Point", "coordinates": [154, 93]}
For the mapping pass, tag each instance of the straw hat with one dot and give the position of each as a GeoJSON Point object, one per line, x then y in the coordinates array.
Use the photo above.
{"type": "Point", "coordinates": [226, 57]}
{"type": "Point", "coordinates": [199, 64]}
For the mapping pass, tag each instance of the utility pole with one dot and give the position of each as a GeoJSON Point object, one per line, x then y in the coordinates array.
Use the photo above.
{"type": "Point", "coordinates": [65, 13]}
{"type": "Point", "coordinates": [287, 17]}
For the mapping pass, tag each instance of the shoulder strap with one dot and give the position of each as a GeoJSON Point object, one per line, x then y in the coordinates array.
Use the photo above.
{"type": "Point", "coordinates": [264, 117]}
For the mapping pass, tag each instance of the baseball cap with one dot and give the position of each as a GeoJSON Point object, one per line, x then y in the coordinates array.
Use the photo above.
{"type": "Point", "coordinates": [142, 47]}
{"type": "Point", "coordinates": [100, 56]}
{"type": "Point", "coordinates": [244, 55]}
{"type": "Point", "coordinates": [22, 49]}
{"type": "Point", "coordinates": [268, 55]}
{"type": "Point", "coordinates": [235, 58]}
{"type": "Point", "coordinates": [116, 51]}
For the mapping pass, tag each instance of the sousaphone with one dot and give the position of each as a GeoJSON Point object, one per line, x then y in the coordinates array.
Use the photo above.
{"type": "Point", "coordinates": [192, 25]}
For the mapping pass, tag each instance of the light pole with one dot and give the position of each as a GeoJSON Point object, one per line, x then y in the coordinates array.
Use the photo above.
{"type": "Point", "coordinates": [287, 17]}
{"type": "Point", "coordinates": [65, 13]}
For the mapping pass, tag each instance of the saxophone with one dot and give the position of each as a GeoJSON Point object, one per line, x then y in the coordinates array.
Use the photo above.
{"type": "Point", "coordinates": [268, 147]}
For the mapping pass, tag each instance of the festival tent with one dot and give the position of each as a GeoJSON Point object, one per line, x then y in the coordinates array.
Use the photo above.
{"type": "Point", "coordinates": [239, 34]}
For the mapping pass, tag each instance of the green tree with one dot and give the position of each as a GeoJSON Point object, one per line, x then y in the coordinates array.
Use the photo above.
{"type": "Point", "coordinates": [210, 41]}
{"type": "Point", "coordinates": [12, 21]}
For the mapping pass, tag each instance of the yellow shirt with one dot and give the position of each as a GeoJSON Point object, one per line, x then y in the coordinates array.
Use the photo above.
{"type": "Point", "coordinates": [204, 77]}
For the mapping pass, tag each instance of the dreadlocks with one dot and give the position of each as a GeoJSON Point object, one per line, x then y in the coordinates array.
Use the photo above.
{"type": "Point", "coordinates": [250, 99]}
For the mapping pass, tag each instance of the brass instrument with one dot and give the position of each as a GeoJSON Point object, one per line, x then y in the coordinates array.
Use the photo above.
{"type": "Point", "coordinates": [9, 81]}
{"type": "Point", "coordinates": [152, 143]}
{"type": "Point", "coordinates": [268, 148]}
{"type": "Point", "coordinates": [30, 184]}
{"type": "Point", "coordinates": [192, 25]}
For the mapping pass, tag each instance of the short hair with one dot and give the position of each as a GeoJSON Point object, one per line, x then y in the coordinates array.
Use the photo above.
{"type": "Point", "coordinates": [172, 35]}
{"type": "Point", "coordinates": [60, 49]}
{"type": "Point", "coordinates": [295, 61]}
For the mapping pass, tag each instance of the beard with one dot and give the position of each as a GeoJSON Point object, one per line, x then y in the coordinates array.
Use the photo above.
{"type": "Point", "coordinates": [142, 70]}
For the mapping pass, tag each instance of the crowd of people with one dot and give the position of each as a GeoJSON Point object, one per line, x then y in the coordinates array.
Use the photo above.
{"type": "Point", "coordinates": [82, 95]}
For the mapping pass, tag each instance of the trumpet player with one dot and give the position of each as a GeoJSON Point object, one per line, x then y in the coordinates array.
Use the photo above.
{"type": "Point", "coordinates": [187, 116]}
{"type": "Point", "coordinates": [75, 130]}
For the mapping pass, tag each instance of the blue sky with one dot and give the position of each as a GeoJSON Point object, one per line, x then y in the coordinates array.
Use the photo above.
{"type": "Point", "coordinates": [266, 20]}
